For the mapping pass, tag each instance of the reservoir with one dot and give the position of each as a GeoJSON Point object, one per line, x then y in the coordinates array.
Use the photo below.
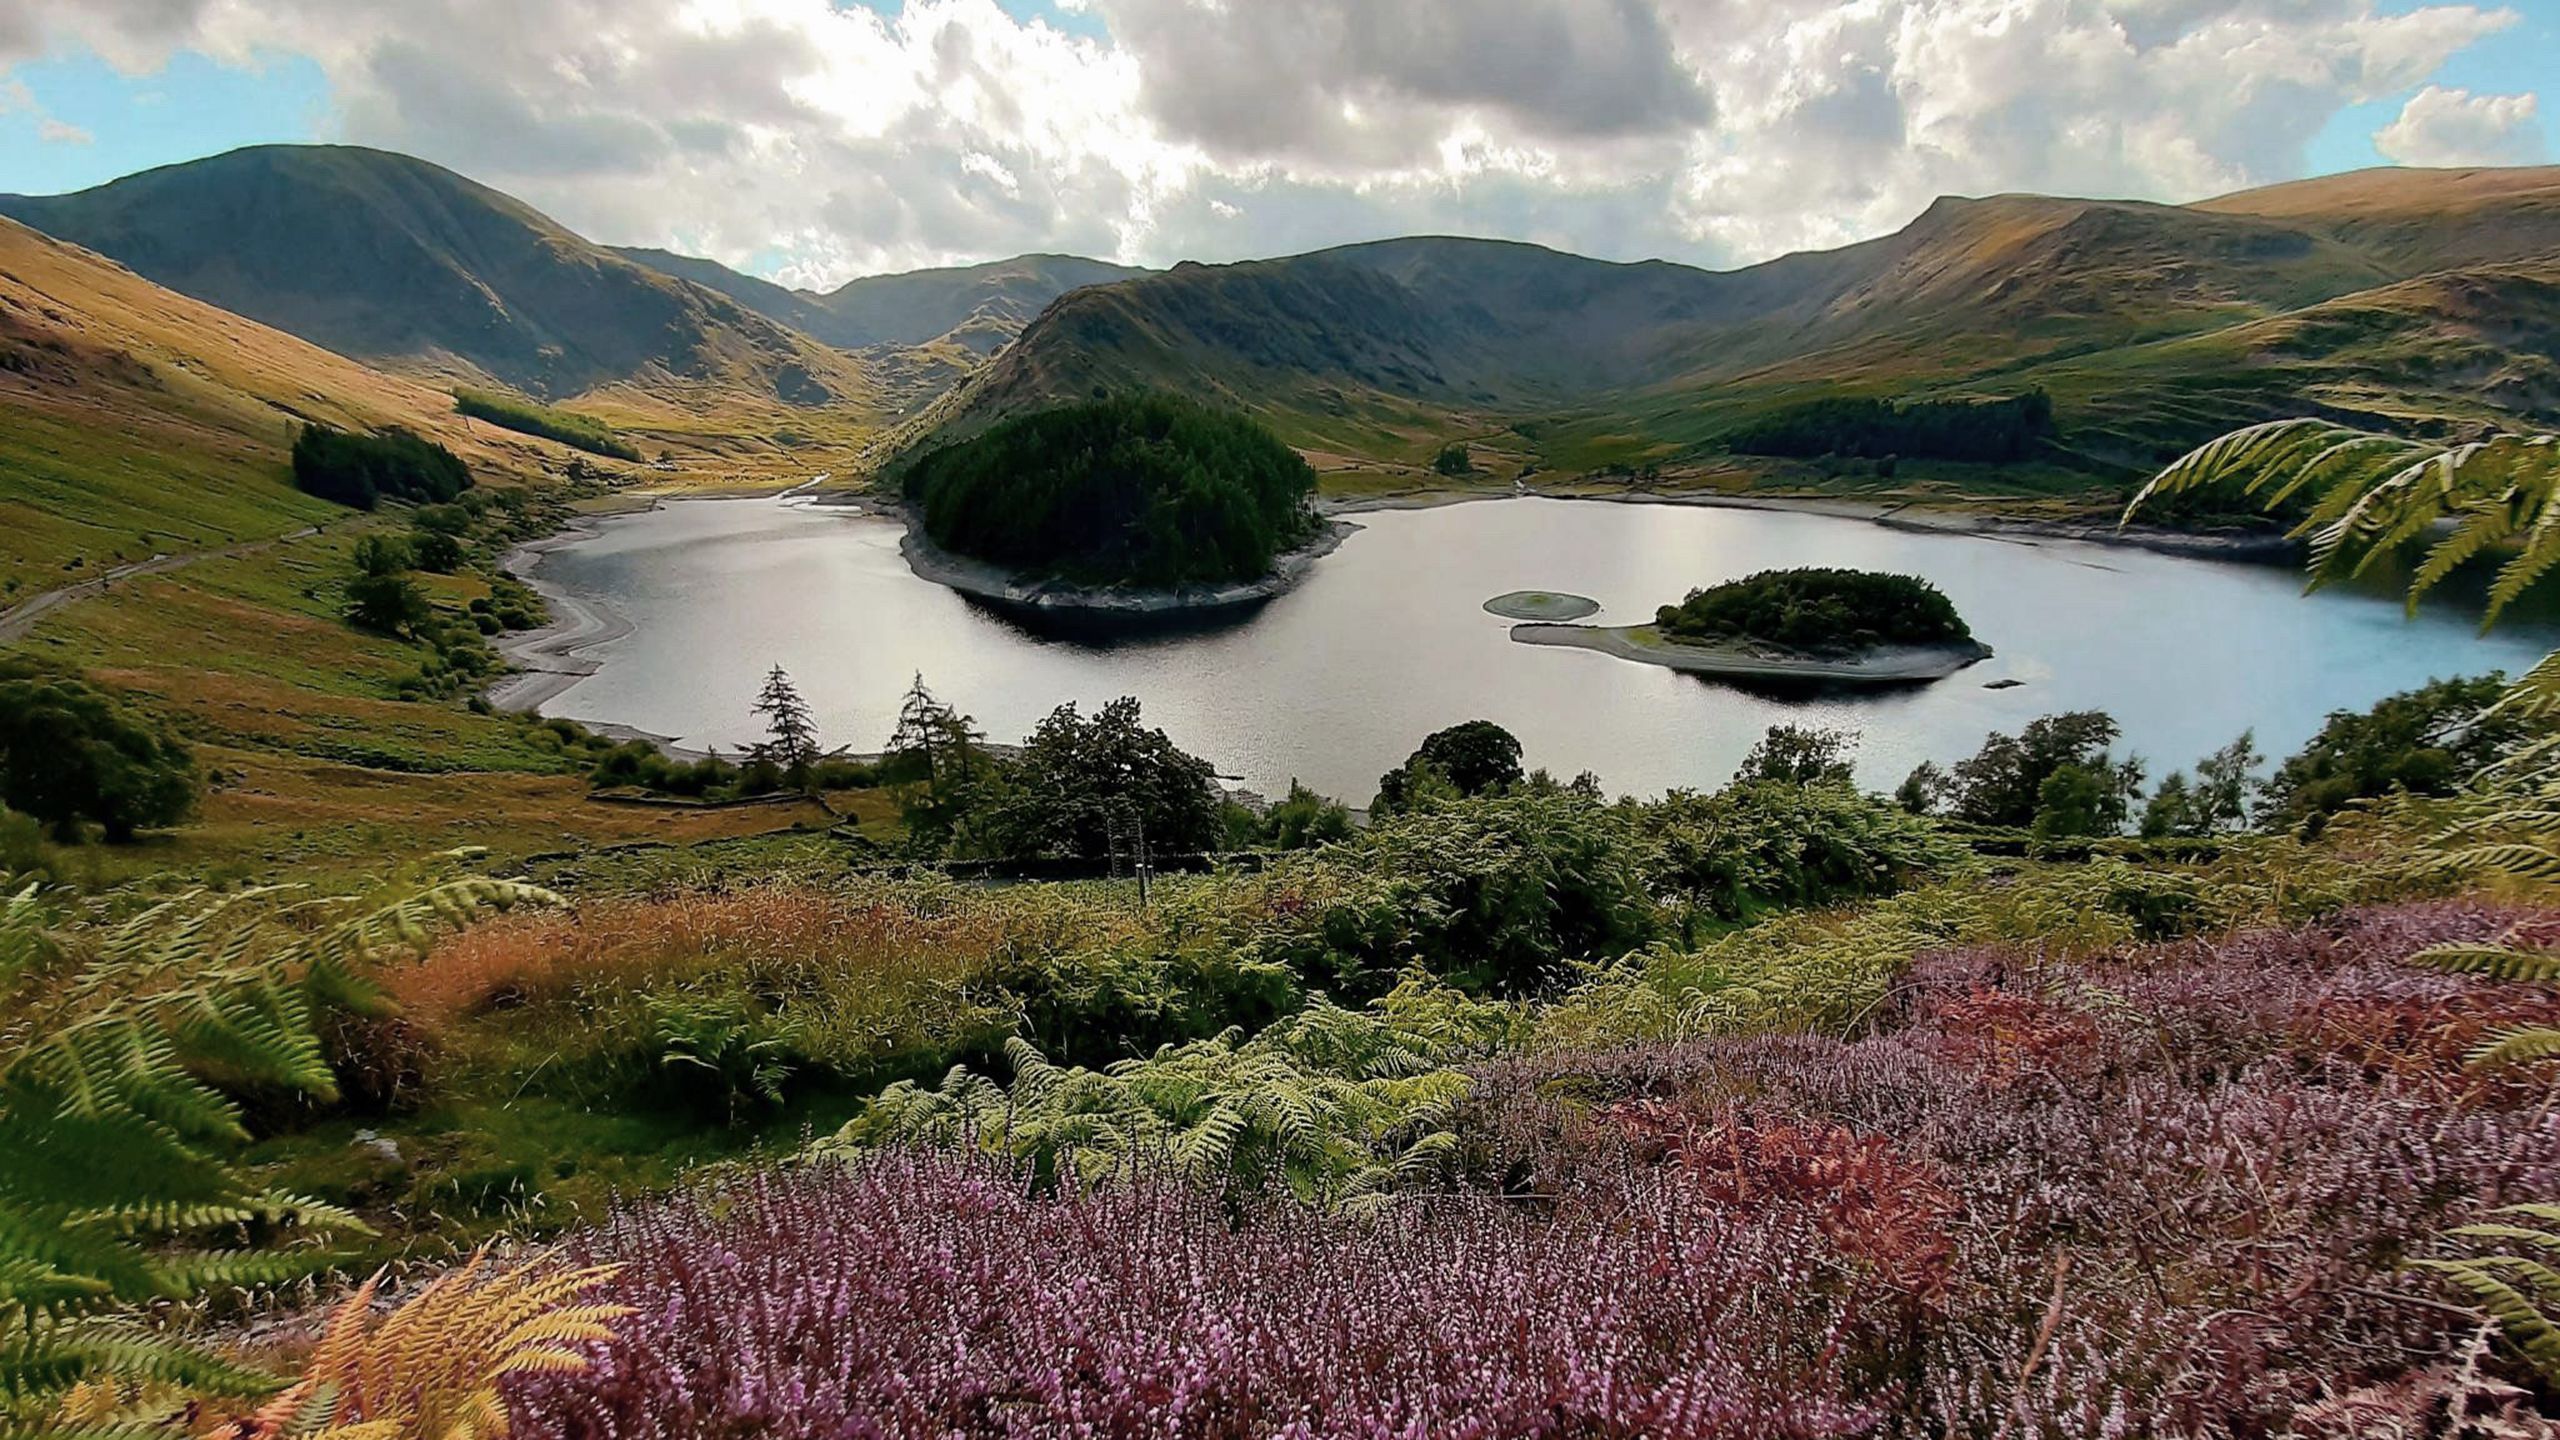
{"type": "Point", "coordinates": [1337, 680]}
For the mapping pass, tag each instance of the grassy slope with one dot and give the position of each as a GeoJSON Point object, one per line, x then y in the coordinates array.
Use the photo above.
{"type": "Point", "coordinates": [417, 270]}
{"type": "Point", "coordinates": [2154, 326]}
{"type": "Point", "coordinates": [142, 422]}
{"type": "Point", "coordinates": [134, 421]}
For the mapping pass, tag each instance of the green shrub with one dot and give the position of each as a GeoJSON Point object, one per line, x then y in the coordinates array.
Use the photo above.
{"type": "Point", "coordinates": [525, 417]}
{"type": "Point", "coordinates": [72, 754]}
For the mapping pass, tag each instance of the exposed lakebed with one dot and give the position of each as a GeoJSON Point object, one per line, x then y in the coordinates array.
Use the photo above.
{"type": "Point", "coordinates": [1388, 639]}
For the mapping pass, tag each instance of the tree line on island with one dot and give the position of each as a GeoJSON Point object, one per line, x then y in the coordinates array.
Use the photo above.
{"type": "Point", "coordinates": [1816, 611]}
{"type": "Point", "coordinates": [1146, 490]}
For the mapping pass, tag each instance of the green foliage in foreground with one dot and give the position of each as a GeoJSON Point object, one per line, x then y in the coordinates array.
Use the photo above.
{"type": "Point", "coordinates": [1145, 490]}
{"type": "Point", "coordinates": [363, 470]}
{"type": "Point", "coordinates": [2372, 498]}
{"type": "Point", "coordinates": [1817, 611]}
{"type": "Point", "coordinates": [1339, 1106]}
{"type": "Point", "coordinates": [72, 754]}
{"type": "Point", "coordinates": [525, 417]}
{"type": "Point", "coordinates": [119, 1072]}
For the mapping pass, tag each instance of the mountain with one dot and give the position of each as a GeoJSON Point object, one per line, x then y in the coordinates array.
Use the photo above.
{"type": "Point", "coordinates": [2151, 324]}
{"type": "Point", "coordinates": [135, 421]}
{"type": "Point", "coordinates": [397, 262]}
{"type": "Point", "coordinates": [977, 307]}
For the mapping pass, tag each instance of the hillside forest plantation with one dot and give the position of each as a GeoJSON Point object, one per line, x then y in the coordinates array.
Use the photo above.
{"type": "Point", "coordinates": [401, 1036]}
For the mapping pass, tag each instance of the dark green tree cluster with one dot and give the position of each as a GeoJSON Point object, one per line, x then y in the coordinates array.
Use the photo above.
{"type": "Point", "coordinates": [1145, 490]}
{"type": "Point", "coordinates": [73, 755]}
{"type": "Point", "coordinates": [1817, 611]}
{"type": "Point", "coordinates": [523, 416]}
{"type": "Point", "coordinates": [362, 470]}
{"type": "Point", "coordinates": [2425, 741]}
{"type": "Point", "coordinates": [1477, 757]}
{"type": "Point", "coordinates": [1453, 460]}
{"type": "Point", "coordinates": [1984, 431]}
{"type": "Point", "coordinates": [1799, 755]}
{"type": "Point", "coordinates": [1103, 785]}
{"type": "Point", "coordinates": [2055, 777]}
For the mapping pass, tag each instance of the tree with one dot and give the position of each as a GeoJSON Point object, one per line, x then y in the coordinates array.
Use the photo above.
{"type": "Point", "coordinates": [2425, 741]}
{"type": "Point", "coordinates": [1306, 820]}
{"type": "Point", "coordinates": [359, 470]}
{"type": "Point", "coordinates": [72, 754]}
{"type": "Point", "coordinates": [390, 604]}
{"type": "Point", "coordinates": [2004, 783]}
{"type": "Point", "coordinates": [1087, 787]}
{"type": "Point", "coordinates": [2171, 812]}
{"type": "Point", "coordinates": [1476, 757]}
{"type": "Point", "coordinates": [1453, 460]}
{"type": "Point", "coordinates": [1149, 490]}
{"type": "Point", "coordinates": [435, 550]}
{"type": "Point", "coordinates": [938, 763]}
{"type": "Point", "coordinates": [1922, 789]}
{"type": "Point", "coordinates": [381, 555]}
{"type": "Point", "coordinates": [1799, 755]}
{"type": "Point", "coordinates": [791, 733]}
{"type": "Point", "coordinates": [2081, 800]}
{"type": "Point", "coordinates": [2224, 780]}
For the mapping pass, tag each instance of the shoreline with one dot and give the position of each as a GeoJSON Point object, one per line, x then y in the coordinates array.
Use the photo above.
{"type": "Point", "coordinates": [1060, 599]}
{"type": "Point", "coordinates": [1889, 665]}
{"type": "Point", "coordinates": [2232, 548]}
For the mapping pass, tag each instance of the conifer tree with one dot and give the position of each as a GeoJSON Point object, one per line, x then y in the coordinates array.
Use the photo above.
{"type": "Point", "coordinates": [792, 733]}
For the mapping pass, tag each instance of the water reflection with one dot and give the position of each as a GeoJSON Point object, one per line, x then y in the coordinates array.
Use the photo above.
{"type": "Point", "coordinates": [1335, 681]}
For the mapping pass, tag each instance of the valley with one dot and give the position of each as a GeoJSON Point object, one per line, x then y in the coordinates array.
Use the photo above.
{"type": "Point", "coordinates": [1047, 846]}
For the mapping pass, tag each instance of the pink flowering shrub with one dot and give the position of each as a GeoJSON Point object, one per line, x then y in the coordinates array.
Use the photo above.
{"type": "Point", "coordinates": [931, 1294]}
{"type": "Point", "coordinates": [2170, 1191]}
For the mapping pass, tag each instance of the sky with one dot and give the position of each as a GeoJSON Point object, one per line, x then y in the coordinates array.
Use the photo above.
{"type": "Point", "coordinates": [815, 140]}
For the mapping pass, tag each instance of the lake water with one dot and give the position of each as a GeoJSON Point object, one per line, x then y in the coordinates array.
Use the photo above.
{"type": "Point", "coordinates": [1335, 682]}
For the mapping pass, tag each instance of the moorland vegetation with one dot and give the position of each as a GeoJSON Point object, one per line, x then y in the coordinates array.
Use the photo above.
{"type": "Point", "coordinates": [1781, 1109]}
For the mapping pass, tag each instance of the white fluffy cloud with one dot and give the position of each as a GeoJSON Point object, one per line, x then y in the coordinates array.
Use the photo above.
{"type": "Point", "coordinates": [834, 139]}
{"type": "Point", "coordinates": [2455, 127]}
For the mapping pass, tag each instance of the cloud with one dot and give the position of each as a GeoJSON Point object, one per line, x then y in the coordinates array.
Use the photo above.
{"type": "Point", "coordinates": [2455, 127]}
{"type": "Point", "coordinates": [844, 139]}
{"type": "Point", "coordinates": [1350, 86]}
{"type": "Point", "coordinates": [56, 132]}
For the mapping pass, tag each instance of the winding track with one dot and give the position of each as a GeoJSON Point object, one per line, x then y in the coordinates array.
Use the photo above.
{"type": "Point", "coordinates": [21, 618]}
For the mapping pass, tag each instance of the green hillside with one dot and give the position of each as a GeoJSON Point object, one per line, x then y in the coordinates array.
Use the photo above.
{"type": "Point", "coordinates": [388, 259]}
{"type": "Point", "coordinates": [2152, 326]}
{"type": "Point", "coordinates": [980, 307]}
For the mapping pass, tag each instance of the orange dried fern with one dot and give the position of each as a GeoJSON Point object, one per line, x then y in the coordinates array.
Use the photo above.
{"type": "Point", "coordinates": [430, 1369]}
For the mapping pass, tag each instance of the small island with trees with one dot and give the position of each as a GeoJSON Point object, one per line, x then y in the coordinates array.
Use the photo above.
{"type": "Point", "coordinates": [1852, 626]}
{"type": "Point", "coordinates": [1131, 505]}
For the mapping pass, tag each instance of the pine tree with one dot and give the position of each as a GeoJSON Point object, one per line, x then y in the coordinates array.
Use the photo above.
{"type": "Point", "coordinates": [793, 733]}
{"type": "Point", "coordinates": [936, 759]}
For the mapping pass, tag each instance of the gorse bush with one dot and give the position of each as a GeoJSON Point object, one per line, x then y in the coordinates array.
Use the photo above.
{"type": "Point", "coordinates": [362, 470]}
{"type": "Point", "coordinates": [1817, 611]}
{"type": "Point", "coordinates": [1141, 490]}
{"type": "Point", "coordinates": [581, 431]}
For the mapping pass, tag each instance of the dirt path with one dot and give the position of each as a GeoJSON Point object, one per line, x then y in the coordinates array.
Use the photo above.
{"type": "Point", "coordinates": [19, 619]}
